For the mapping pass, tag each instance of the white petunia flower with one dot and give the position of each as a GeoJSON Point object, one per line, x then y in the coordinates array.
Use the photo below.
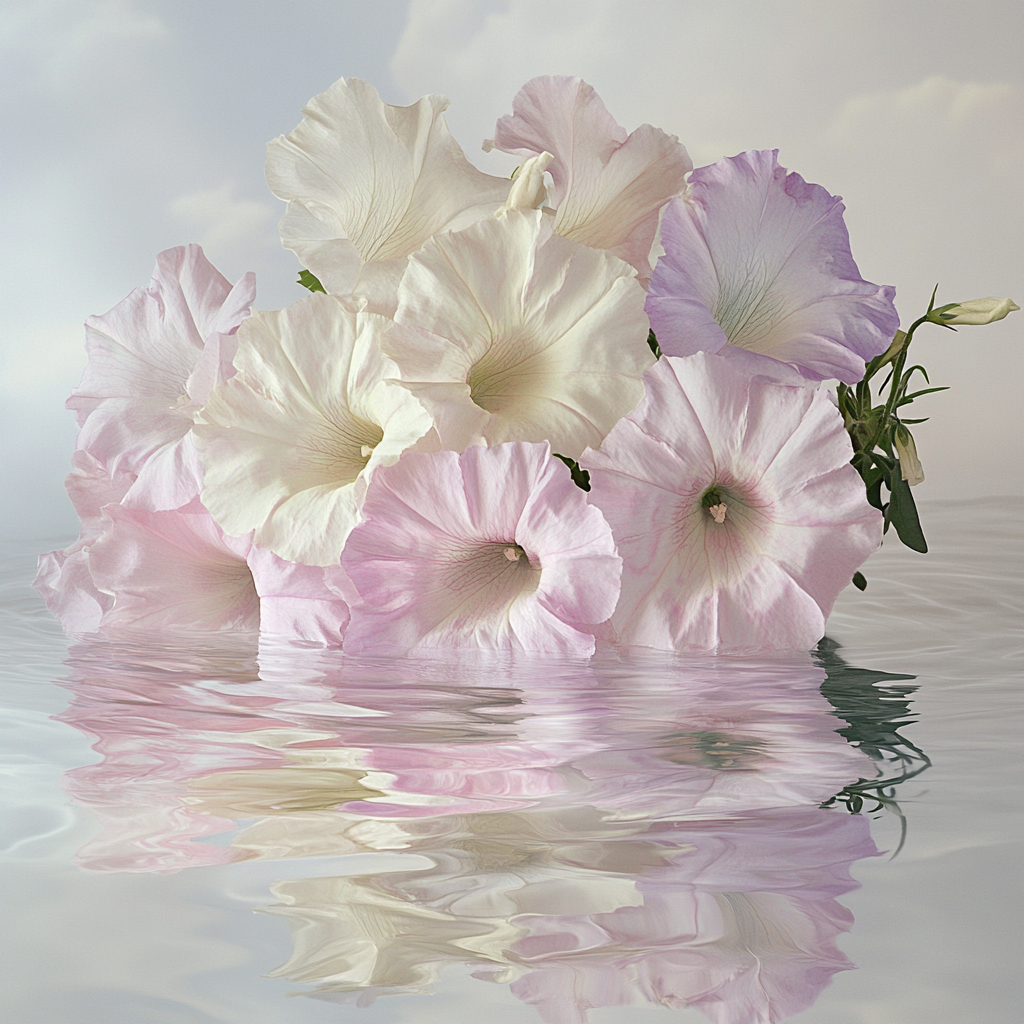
{"type": "Point", "coordinates": [509, 332]}
{"type": "Point", "coordinates": [368, 183]}
{"type": "Point", "coordinates": [288, 442]}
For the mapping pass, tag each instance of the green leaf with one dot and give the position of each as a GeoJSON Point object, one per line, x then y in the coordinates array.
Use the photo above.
{"type": "Point", "coordinates": [859, 581]}
{"type": "Point", "coordinates": [307, 280]}
{"type": "Point", "coordinates": [580, 477]}
{"type": "Point", "coordinates": [918, 394]}
{"type": "Point", "coordinates": [902, 513]}
{"type": "Point", "coordinates": [655, 347]}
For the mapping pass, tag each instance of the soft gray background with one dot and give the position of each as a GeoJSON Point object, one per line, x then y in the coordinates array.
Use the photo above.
{"type": "Point", "coordinates": [134, 125]}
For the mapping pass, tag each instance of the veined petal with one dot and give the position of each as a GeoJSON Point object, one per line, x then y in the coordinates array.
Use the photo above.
{"type": "Point", "coordinates": [608, 187]}
{"type": "Point", "coordinates": [152, 359]}
{"type": "Point", "coordinates": [287, 443]}
{"type": "Point", "coordinates": [549, 336]}
{"type": "Point", "coordinates": [173, 570]}
{"type": "Point", "coordinates": [793, 521]}
{"type": "Point", "coordinates": [495, 548]}
{"type": "Point", "coordinates": [758, 258]}
{"type": "Point", "coordinates": [366, 181]}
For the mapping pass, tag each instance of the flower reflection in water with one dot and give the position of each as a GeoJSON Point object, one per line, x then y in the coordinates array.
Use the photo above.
{"type": "Point", "coordinates": [640, 829]}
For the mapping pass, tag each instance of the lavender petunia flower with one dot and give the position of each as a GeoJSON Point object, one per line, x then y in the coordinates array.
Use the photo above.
{"type": "Point", "coordinates": [495, 548]}
{"type": "Point", "coordinates": [734, 507]}
{"type": "Point", "coordinates": [758, 258]}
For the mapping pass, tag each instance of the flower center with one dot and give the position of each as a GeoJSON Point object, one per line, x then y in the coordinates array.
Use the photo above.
{"type": "Point", "coordinates": [499, 378]}
{"type": "Point", "coordinates": [715, 504]}
{"type": "Point", "coordinates": [494, 574]}
{"type": "Point", "coordinates": [342, 449]}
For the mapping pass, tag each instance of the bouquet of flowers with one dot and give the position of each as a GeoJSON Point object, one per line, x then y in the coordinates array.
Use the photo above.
{"type": "Point", "coordinates": [584, 403]}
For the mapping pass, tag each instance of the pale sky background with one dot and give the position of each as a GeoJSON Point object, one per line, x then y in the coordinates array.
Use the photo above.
{"type": "Point", "coordinates": [131, 126]}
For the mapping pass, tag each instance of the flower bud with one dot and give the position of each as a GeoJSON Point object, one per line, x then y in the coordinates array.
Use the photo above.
{"type": "Point", "coordinates": [910, 464]}
{"type": "Point", "coordinates": [528, 190]}
{"type": "Point", "coordinates": [974, 313]}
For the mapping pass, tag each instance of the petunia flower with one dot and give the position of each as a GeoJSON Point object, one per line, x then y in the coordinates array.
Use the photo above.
{"type": "Point", "coordinates": [153, 359]}
{"type": "Point", "coordinates": [367, 183]}
{"type": "Point", "coordinates": [495, 548]}
{"type": "Point", "coordinates": [287, 443]}
{"type": "Point", "coordinates": [137, 571]}
{"type": "Point", "coordinates": [760, 259]}
{"type": "Point", "coordinates": [607, 187]}
{"type": "Point", "coordinates": [793, 521]}
{"type": "Point", "coordinates": [508, 332]}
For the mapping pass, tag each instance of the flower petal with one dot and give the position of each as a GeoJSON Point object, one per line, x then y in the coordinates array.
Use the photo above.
{"type": "Point", "coordinates": [793, 522]}
{"type": "Point", "coordinates": [367, 181]}
{"type": "Point", "coordinates": [287, 442]}
{"type": "Point", "coordinates": [549, 336]}
{"type": "Point", "coordinates": [152, 359]}
{"type": "Point", "coordinates": [761, 259]}
{"type": "Point", "coordinates": [494, 549]}
{"type": "Point", "coordinates": [608, 188]}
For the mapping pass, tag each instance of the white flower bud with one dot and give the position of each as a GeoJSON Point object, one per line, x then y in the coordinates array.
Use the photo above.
{"type": "Point", "coordinates": [528, 190]}
{"type": "Point", "coordinates": [910, 464]}
{"type": "Point", "coordinates": [977, 311]}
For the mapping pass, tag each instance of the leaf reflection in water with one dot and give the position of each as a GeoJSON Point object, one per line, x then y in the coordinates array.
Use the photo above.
{"type": "Point", "coordinates": [637, 829]}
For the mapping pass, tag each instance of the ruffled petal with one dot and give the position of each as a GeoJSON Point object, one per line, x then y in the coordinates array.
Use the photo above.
{"type": "Point", "coordinates": [758, 258]}
{"type": "Point", "coordinates": [367, 181]}
{"type": "Point", "coordinates": [494, 549]}
{"type": "Point", "coordinates": [608, 187]}
{"type": "Point", "coordinates": [288, 442]}
{"type": "Point", "coordinates": [794, 520]}
{"type": "Point", "coordinates": [548, 336]}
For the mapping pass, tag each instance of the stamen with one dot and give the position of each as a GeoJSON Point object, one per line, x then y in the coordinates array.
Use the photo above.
{"type": "Point", "coordinates": [718, 512]}
{"type": "Point", "coordinates": [512, 554]}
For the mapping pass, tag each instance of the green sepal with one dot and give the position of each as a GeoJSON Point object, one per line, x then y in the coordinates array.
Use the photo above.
{"type": "Point", "coordinates": [653, 342]}
{"type": "Point", "coordinates": [902, 513]}
{"type": "Point", "coordinates": [859, 581]}
{"type": "Point", "coordinates": [580, 477]}
{"type": "Point", "coordinates": [307, 280]}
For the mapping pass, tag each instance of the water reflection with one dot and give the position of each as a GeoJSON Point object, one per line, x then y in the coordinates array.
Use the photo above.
{"type": "Point", "coordinates": [642, 829]}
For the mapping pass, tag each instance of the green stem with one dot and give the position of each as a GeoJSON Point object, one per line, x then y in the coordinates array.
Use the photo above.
{"type": "Point", "coordinates": [897, 373]}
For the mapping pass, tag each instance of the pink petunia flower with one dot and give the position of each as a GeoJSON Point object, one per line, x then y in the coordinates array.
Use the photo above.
{"type": "Point", "coordinates": [136, 570]}
{"type": "Point", "coordinates": [495, 548]}
{"type": "Point", "coordinates": [607, 186]}
{"type": "Point", "coordinates": [735, 509]}
{"type": "Point", "coordinates": [759, 259]}
{"type": "Point", "coordinates": [153, 360]}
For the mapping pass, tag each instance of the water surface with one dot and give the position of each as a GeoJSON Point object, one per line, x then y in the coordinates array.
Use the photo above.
{"type": "Point", "coordinates": [218, 831]}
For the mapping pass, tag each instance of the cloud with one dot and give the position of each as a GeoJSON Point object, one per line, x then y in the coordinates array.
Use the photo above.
{"type": "Point", "coordinates": [64, 40]}
{"type": "Point", "coordinates": [938, 114]}
{"type": "Point", "coordinates": [224, 225]}
{"type": "Point", "coordinates": [928, 164]}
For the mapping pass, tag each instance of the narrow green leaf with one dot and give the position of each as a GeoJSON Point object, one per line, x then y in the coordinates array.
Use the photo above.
{"type": "Point", "coordinates": [307, 280]}
{"type": "Point", "coordinates": [918, 394]}
{"type": "Point", "coordinates": [580, 477]}
{"type": "Point", "coordinates": [902, 513]}
{"type": "Point", "coordinates": [859, 581]}
{"type": "Point", "coordinates": [653, 342]}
